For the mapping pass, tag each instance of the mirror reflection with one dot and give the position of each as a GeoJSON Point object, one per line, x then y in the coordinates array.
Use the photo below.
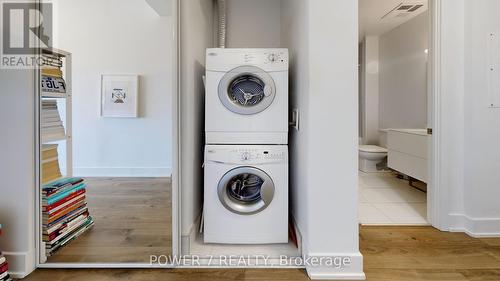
{"type": "Point", "coordinates": [106, 134]}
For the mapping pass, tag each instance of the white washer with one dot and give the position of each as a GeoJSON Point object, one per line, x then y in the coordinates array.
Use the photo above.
{"type": "Point", "coordinates": [246, 194]}
{"type": "Point", "coordinates": [246, 96]}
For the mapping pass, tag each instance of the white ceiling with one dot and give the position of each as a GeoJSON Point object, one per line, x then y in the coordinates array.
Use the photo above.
{"type": "Point", "coordinates": [372, 11]}
{"type": "Point", "coordinates": [162, 7]}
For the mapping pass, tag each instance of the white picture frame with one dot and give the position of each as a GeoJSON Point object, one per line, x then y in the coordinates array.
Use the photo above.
{"type": "Point", "coordinates": [119, 95]}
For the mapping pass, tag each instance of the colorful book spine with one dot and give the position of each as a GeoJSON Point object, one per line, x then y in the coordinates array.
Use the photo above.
{"type": "Point", "coordinates": [4, 265]}
{"type": "Point", "coordinates": [65, 215]}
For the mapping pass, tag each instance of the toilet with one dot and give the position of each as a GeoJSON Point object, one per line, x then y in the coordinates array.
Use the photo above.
{"type": "Point", "coordinates": [370, 156]}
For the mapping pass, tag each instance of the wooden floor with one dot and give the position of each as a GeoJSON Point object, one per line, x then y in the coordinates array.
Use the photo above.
{"type": "Point", "coordinates": [132, 221]}
{"type": "Point", "coordinates": [390, 254]}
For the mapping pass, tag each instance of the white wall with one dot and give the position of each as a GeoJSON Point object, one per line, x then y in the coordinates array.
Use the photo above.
{"type": "Point", "coordinates": [17, 170]}
{"type": "Point", "coordinates": [403, 75]}
{"type": "Point", "coordinates": [467, 127]}
{"type": "Point", "coordinates": [482, 124]}
{"type": "Point", "coordinates": [369, 92]}
{"type": "Point", "coordinates": [196, 34]}
{"type": "Point", "coordinates": [253, 24]}
{"type": "Point", "coordinates": [295, 27]}
{"type": "Point", "coordinates": [322, 37]}
{"type": "Point", "coordinates": [123, 37]}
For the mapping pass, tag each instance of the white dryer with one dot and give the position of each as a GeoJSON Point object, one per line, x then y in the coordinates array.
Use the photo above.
{"type": "Point", "coordinates": [246, 194]}
{"type": "Point", "coordinates": [246, 96]}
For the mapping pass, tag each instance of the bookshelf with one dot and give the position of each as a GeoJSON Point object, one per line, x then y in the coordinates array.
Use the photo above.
{"type": "Point", "coordinates": [63, 99]}
{"type": "Point", "coordinates": [61, 198]}
{"type": "Point", "coordinates": [55, 142]}
{"type": "Point", "coordinates": [52, 95]}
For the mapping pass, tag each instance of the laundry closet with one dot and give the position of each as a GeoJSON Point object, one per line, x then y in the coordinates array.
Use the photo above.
{"type": "Point", "coordinates": [317, 153]}
{"type": "Point", "coordinates": [242, 205]}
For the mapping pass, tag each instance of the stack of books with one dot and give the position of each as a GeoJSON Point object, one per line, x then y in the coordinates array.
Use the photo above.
{"type": "Point", "coordinates": [4, 266]}
{"type": "Point", "coordinates": [51, 65]}
{"type": "Point", "coordinates": [65, 215]}
{"type": "Point", "coordinates": [50, 163]}
{"type": "Point", "coordinates": [52, 76]}
{"type": "Point", "coordinates": [51, 126]}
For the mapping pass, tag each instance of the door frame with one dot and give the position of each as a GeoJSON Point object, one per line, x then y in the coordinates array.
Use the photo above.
{"type": "Point", "coordinates": [438, 199]}
{"type": "Point", "coordinates": [433, 113]}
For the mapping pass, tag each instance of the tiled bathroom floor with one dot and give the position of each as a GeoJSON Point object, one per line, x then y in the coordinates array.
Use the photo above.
{"type": "Point", "coordinates": [386, 200]}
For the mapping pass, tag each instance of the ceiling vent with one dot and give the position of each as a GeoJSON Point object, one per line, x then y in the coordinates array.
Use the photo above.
{"type": "Point", "coordinates": [406, 9]}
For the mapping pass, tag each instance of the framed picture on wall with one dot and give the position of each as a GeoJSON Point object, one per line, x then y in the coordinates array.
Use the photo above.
{"type": "Point", "coordinates": [119, 95]}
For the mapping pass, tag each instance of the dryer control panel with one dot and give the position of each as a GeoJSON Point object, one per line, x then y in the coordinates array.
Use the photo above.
{"type": "Point", "coordinates": [275, 57]}
{"type": "Point", "coordinates": [266, 57]}
{"type": "Point", "coordinates": [228, 59]}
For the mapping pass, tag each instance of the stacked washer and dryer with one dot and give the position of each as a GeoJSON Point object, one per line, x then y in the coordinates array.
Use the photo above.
{"type": "Point", "coordinates": [246, 152]}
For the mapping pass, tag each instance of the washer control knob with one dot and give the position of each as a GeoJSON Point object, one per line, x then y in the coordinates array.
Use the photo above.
{"type": "Point", "coordinates": [271, 57]}
{"type": "Point", "coordinates": [245, 156]}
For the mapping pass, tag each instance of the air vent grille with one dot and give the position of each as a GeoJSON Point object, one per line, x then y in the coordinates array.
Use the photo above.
{"type": "Point", "coordinates": [416, 7]}
{"type": "Point", "coordinates": [405, 9]}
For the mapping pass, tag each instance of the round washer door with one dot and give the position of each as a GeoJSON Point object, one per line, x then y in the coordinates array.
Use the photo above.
{"type": "Point", "coordinates": [246, 190]}
{"type": "Point", "coordinates": [247, 90]}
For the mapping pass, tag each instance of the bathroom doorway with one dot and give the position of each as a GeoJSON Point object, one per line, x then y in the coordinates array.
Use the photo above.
{"type": "Point", "coordinates": [394, 43]}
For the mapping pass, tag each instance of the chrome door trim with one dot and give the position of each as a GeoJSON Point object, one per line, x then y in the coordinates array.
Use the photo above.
{"type": "Point", "coordinates": [240, 208]}
{"type": "Point", "coordinates": [269, 90]}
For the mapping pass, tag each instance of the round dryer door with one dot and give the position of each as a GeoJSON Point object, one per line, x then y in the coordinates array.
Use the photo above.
{"type": "Point", "coordinates": [247, 90]}
{"type": "Point", "coordinates": [246, 190]}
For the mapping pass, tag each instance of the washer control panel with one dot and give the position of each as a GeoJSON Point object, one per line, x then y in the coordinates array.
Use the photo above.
{"type": "Point", "coordinates": [246, 154]}
{"type": "Point", "coordinates": [249, 154]}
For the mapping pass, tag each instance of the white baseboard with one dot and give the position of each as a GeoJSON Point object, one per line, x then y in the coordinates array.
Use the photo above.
{"type": "Point", "coordinates": [324, 271]}
{"type": "Point", "coordinates": [21, 264]}
{"type": "Point", "coordinates": [150, 172]}
{"type": "Point", "coordinates": [353, 271]}
{"type": "Point", "coordinates": [188, 238]}
{"type": "Point", "coordinates": [475, 227]}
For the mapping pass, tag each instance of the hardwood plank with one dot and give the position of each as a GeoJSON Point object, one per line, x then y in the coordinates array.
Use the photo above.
{"type": "Point", "coordinates": [390, 254]}
{"type": "Point", "coordinates": [482, 275]}
{"type": "Point", "coordinates": [491, 241]}
{"type": "Point", "coordinates": [138, 275]}
{"type": "Point", "coordinates": [273, 274]}
{"type": "Point", "coordinates": [424, 247]}
{"type": "Point", "coordinates": [412, 275]}
{"type": "Point", "coordinates": [132, 221]}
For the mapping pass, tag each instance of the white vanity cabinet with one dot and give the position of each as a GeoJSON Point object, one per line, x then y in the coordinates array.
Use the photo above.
{"type": "Point", "coordinates": [408, 152]}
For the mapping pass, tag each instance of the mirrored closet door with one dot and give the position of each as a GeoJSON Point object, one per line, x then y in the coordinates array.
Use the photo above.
{"type": "Point", "coordinates": [105, 134]}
